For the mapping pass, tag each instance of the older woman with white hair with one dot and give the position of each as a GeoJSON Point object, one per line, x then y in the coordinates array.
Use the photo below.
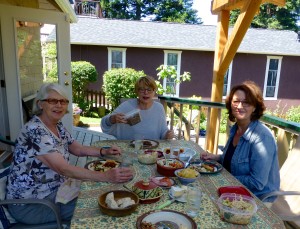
{"type": "Point", "coordinates": [40, 164]}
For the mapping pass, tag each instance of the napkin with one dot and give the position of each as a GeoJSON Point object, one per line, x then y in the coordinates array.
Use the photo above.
{"type": "Point", "coordinates": [68, 191]}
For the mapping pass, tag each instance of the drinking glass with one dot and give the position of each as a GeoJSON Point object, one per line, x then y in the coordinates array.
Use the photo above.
{"type": "Point", "coordinates": [126, 161]}
{"type": "Point", "coordinates": [138, 143]}
{"type": "Point", "coordinates": [193, 199]}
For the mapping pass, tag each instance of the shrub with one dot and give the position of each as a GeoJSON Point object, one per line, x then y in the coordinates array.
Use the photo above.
{"type": "Point", "coordinates": [293, 114]}
{"type": "Point", "coordinates": [119, 83]}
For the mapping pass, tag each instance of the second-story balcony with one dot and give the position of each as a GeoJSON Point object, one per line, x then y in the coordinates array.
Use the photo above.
{"type": "Point", "coordinates": [88, 8]}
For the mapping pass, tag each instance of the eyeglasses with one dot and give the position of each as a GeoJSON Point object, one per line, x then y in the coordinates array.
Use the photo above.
{"type": "Point", "coordinates": [55, 101]}
{"type": "Point", "coordinates": [145, 90]}
{"type": "Point", "coordinates": [236, 103]}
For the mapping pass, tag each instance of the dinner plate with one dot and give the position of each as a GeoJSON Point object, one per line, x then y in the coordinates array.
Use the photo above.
{"type": "Point", "coordinates": [147, 144]}
{"type": "Point", "coordinates": [203, 166]}
{"type": "Point", "coordinates": [166, 218]}
{"type": "Point", "coordinates": [164, 182]}
{"type": "Point", "coordinates": [102, 165]}
{"type": "Point", "coordinates": [234, 189]}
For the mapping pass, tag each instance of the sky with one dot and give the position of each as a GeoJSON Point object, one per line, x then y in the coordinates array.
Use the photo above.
{"type": "Point", "coordinates": [203, 7]}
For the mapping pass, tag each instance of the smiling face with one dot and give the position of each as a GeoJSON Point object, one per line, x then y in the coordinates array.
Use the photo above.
{"type": "Point", "coordinates": [145, 93]}
{"type": "Point", "coordinates": [53, 112]}
{"type": "Point", "coordinates": [241, 109]}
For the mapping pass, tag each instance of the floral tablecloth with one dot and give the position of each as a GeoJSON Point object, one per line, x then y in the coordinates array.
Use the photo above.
{"type": "Point", "coordinates": [88, 215]}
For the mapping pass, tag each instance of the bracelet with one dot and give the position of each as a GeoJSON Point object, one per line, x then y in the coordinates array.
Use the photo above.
{"type": "Point", "coordinates": [101, 152]}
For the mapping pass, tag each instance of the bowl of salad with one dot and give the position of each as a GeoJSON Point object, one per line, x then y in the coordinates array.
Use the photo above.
{"type": "Point", "coordinates": [236, 208]}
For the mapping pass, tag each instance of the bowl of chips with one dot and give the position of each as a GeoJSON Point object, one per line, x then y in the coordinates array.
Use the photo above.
{"type": "Point", "coordinates": [186, 176]}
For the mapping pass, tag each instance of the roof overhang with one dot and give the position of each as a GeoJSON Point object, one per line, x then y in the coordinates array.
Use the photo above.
{"type": "Point", "coordinates": [218, 5]}
{"type": "Point", "coordinates": [67, 8]}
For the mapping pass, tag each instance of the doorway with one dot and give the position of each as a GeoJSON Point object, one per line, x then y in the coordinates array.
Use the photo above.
{"type": "Point", "coordinates": [34, 43]}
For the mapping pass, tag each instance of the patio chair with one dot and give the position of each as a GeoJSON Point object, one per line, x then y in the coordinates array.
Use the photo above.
{"type": "Point", "coordinates": [287, 204]}
{"type": "Point", "coordinates": [6, 220]}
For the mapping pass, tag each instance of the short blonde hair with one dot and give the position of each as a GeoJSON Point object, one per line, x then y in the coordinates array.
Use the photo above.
{"type": "Point", "coordinates": [145, 81]}
{"type": "Point", "coordinates": [43, 94]}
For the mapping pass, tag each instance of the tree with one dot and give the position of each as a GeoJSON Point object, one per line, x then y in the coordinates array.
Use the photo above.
{"type": "Point", "coordinates": [176, 11]}
{"type": "Point", "coordinates": [166, 10]}
{"type": "Point", "coordinates": [274, 17]}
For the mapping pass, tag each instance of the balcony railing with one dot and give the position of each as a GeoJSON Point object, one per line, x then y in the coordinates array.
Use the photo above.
{"type": "Point", "coordinates": [285, 132]}
{"type": "Point", "coordinates": [88, 8]}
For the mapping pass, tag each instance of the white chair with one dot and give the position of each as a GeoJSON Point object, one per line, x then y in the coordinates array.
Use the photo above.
{"type": "Point", "coordinates": [287, 204]}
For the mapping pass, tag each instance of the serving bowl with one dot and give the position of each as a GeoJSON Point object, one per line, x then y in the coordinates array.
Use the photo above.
{"type": "Point", "coordinates": [118, 194]}
{"type": "Point", "coordinates": [147, 191]}
{"type": "Point", "coordinates": [167, 167]}
{"type": "Point", "coordinates": [149, 157]}
{"type": "Point", "coordinates": [235, 208]}
{"type": "Point", "coordinates": [191, 175]}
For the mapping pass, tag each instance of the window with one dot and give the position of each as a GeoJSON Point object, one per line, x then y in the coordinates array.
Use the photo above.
{"type": "Point", "coordinates": [116, 58]}
{"type": "Point", "coordinates": [227, 81]}
{"type": "Point", "coordinates": [272, 77]}
{"type": "Point", "coordinates": [172, 58]}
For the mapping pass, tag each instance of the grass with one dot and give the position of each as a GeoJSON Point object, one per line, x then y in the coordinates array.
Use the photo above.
{"type": "Point", "coordinates": [89, 120]}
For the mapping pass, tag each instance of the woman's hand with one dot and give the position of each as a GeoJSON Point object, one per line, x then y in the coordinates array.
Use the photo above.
{"type": "Point", "coordinates": [209, 156]}
{"type": "Point", "coordinates": [169, 135]}
{"type": "Point", "coordinates": [114, 150]}
{"type": "Point", "coordinates": [119, 175]}
{"type": "Point", "coordinates": [117, 118]}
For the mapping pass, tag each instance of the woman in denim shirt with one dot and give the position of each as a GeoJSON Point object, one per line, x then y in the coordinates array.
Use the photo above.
{"type": "Point", "coordinates": [251, 151]}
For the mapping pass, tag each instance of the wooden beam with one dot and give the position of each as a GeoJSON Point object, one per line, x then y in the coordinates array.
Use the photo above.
{"type": "Point", "coordinates": [236, 37]}
{"type": "Point", "coordinates": [218, 80]}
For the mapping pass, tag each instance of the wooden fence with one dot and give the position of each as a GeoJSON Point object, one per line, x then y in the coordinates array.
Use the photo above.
{"type": "Point", "coordinates": [97, 99]}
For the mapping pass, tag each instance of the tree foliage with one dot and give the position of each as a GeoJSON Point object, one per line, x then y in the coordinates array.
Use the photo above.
{"type": "Point", "coordinates": [273, 17]}
{"type": "Point", "coordinates": [156, 10]}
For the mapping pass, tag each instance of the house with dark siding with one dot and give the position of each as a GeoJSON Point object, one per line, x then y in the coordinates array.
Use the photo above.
{"type": "Point", "coordinates": [271, 58]}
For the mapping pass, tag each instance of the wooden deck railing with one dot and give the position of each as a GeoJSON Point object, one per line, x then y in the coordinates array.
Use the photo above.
{"type": "Point", "coordinates": [96, 99]}
{"type": "Point", "coordinates": [88, 8]}
{"type": "Point", "coordinates": [285, 132]}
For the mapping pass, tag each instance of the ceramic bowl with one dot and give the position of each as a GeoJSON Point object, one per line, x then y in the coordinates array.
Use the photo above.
{"type": "Point", "coordinates": [148, 157]}
{"type": "Point", "coordinates": [168, 167]}
{"type": "Point", "coordinates": [148, 192]}
{"type": "Point", "coordinates": [118, 194]}
{"type": "Point", "coordinates": [184, 180]}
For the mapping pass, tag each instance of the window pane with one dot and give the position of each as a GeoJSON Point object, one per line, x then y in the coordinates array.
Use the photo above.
{"type": "Point", "coordinates": [172, 59]}
{"type": "Point", "coordinates": [116, 61]}
{"type": "Point", "coordinates": [270, 92]}
{"type": "Point", "coordinates": [273, 64]}
{"type": "Point", "coordinates": [225, 83]}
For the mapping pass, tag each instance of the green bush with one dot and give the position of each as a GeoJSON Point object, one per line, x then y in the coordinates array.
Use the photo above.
{"type": "Point", "coordinates": [119, 83]}
{"type": "Point", "coordinates": [83, 73]}
{"type": "Point", "coordinates": [293, 114]}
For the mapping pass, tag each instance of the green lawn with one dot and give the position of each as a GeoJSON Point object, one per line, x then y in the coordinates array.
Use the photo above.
{"type": "Point", "coordinates": [88, 120]}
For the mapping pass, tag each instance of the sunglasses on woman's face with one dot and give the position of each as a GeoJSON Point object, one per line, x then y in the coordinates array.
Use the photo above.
{"type": "Point", "coordinates": [55, 101]}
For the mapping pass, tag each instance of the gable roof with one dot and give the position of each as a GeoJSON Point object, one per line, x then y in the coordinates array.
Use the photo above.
{"type": "Point", "coordinates": [145, 34]}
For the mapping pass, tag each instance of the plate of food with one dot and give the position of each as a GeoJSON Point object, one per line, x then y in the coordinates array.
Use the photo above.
{"type": "Point", "coordinates": [164, 182]}
{"type": "Point", "coordinates": [102, 165]}
{"type": "Point", "coordinates": [165, 219]}
{"type": "Point", "coordinates": [147, 143]}
{"type": "Point", "coordinates": [234, 189]}
{"type": "Point", "coordinates": [206, 167]}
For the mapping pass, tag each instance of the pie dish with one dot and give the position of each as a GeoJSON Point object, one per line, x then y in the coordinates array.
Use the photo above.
{"type": "Point", "coordinates": [102, 165]}
{"type": "Point", "coordinates": [166, 219]}
{"type": "Point", "coordinates": [147, 144]}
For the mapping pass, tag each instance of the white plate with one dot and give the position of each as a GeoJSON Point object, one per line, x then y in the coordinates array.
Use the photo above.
{"type": "Point", "coordinates": [100, 165]}
{"type": "Point", "coordinates": [177, 219]}
{"type": "Point", "coordinates": [183, 151]}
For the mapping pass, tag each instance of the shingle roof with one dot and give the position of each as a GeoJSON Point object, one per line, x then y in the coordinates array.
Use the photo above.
{"type": "Point", "coordinates": [126, 33]}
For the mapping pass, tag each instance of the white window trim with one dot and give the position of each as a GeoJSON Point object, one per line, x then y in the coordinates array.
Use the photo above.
{"type": "Point", "coordinates": [123, 50]}
{"type": "Point", "coordinates": [277, 78]}
{"type": "Point", "coordinates": [166, 52]}
{"type": "Point", "coordinates": [228, 81]}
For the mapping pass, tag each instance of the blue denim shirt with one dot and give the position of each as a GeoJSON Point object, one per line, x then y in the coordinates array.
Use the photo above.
{"type": "Point", "coordinates": [255, 160]}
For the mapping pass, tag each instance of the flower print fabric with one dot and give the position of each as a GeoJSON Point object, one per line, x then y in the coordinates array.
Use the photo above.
{"type": "Point", "coordinates": [29, 177]}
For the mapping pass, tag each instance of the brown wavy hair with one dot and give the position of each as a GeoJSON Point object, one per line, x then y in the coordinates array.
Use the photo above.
{"type": "Point", "coordinates": [253, 97]}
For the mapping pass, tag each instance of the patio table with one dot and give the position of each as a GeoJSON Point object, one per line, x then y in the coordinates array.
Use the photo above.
{"type": "Point", "coordinates": [88, 215]}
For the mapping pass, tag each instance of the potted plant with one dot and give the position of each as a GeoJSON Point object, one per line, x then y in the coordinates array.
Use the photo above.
{"type": "Point", "coordinates": [76, 114]}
